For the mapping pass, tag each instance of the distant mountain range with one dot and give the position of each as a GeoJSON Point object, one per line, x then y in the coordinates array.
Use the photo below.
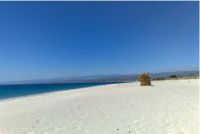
{"type": "Point", "coordinates": [104, 78]}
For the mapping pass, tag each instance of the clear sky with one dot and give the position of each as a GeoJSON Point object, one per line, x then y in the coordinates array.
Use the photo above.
{"type": "Point", "coordinates": [61, 39]}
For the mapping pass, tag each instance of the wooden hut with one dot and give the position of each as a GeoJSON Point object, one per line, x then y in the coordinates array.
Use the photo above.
{"type": "Point", "coordinates": [145, 79]}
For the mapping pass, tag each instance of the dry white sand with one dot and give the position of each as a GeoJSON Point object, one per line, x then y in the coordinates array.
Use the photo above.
{"type": "Point", "coordinates": [168, 107]}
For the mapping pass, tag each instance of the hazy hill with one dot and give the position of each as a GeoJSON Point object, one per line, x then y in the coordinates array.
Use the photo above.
{"type": "Point", "coordinates": [105, 78]}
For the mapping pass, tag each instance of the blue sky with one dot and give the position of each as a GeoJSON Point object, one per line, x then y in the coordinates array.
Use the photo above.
{"type": "Point", "coordinates": [61, 39]}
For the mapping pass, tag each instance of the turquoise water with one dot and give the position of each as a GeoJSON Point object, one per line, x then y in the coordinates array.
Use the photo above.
{"type": "Point", "coordinates": [11, 91]}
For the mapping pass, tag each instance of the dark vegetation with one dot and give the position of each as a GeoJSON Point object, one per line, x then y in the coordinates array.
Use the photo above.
{"type": "Point", "coordinates": [173, 76]}
{"type": "Point", "coordinates": [145, 79]}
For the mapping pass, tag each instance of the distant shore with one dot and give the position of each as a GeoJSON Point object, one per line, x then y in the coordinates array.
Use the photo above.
{"type": "Point", "coordinates": [169, 106]}
{"type": "Point", "coordinates": [178, 78]}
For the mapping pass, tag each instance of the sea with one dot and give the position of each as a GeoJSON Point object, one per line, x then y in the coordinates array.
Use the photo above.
{"type": "Point", "coordinates": [21, 90]}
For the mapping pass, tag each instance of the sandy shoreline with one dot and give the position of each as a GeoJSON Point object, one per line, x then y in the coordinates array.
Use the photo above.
{"type": "Point", "coordinates": [168, 107]}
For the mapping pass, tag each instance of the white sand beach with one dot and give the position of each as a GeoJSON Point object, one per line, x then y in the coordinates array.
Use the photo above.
{"type": "Point", "coordinates": [167, 107]}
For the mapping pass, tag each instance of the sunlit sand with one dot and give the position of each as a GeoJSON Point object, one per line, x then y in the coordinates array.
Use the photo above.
{"type": "Point", "coordinates": [167, 107]}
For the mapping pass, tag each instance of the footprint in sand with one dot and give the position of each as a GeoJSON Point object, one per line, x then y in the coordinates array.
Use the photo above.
{"type": "Point", "coordinates": [130, 132]}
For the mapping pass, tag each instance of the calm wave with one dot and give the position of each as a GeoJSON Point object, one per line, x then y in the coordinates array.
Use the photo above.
{"type": "Point", "coordinates": [11, 91]}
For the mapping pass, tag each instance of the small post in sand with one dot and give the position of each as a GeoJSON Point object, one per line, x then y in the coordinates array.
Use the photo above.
{"type": "Point", "coordinates": [145, 79]}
